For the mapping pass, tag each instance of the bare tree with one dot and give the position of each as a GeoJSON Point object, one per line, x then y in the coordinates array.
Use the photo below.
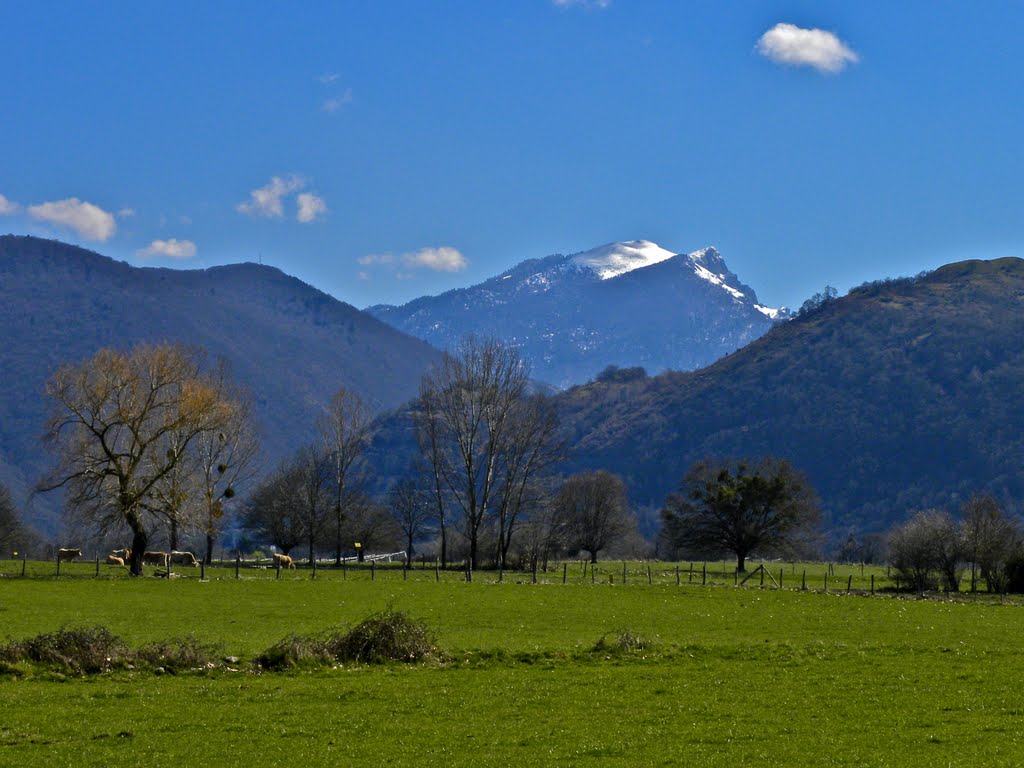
{"type": "Point", "coordinates": [467, 421]}
{"type": "Point", "coordinates": [14, 534]}
{"type": "Point", "coordinates": [411, 508]}
{"type": "Point", "coordinates": [991, 537]}
{"type": "Point", "coordinates": [372, 525]}
{"type": "Point", "coordinates": [227, 460]}
{"type": "Point", "coordinates": [313, 470]}
{"type": "Point", "coordinates": [110, 425]}
{"type": "Point", "coordinates": [737, 506]}
{"type": "Point", "coordinates": [929, 543]}
{"type": "Point", "coordinates": [532, 449]}
{"type": "Point", "coordinates": [594, 510]}
{"type": "Point", "coordinates": [274, 511]}
{"type": "Point", "coordinates": [344, 431]}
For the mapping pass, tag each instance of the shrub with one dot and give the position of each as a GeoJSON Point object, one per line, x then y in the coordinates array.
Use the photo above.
{"type": "Point", "coordinates": [294, 651]}
{"type": "Point", "coordinates": [180, 654]}
{"type": "Point", "coordinates": [387, 636]}
{"type": "Point", "coordinates": [626, 641]}
{"type": "Point", "coordinates": [86, 650]}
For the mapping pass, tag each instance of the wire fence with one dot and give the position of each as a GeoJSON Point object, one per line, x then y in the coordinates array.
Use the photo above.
{"type": "Point", "coordinates": [393, 566]}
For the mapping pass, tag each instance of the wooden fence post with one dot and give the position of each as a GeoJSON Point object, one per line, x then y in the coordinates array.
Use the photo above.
{"type": "Point", "coordinates": [691, 572]}
{"type": "Point", "coordinates": [97, 566]}
{"type": "Point", "coordinates": [202, 569]}
{"type": "Point", "coordinates": [592, 577]}
{"type": "Point", "coordinates": [344, 570]}
{"type": "Point", "coordinates": [826, 581]}
{"type": "Point", "coordinates": [762, 575]}
{"type": "Point", "coordinates": [238, 562]}
{"type": "Point", "coordinates": [872, 583]}
{"type": "Point", "coordinates": [704, 575]}
{"type": "Point", "coordinates": [24, 562]}
{"type": "Point", "coordinates": [803, 580]}
{"type": "Point", "coordinates": [373, 570]}
{"type": "Point", "coordinates": [277, 568]}
{"type": "Point", "coordinates": [650, 578]}
{"type": "Point", "coordinates": [58, 565]}
{"type": "Point", "coordinates": [565, 571]}
{"type": "Point", "coordinates": [677, 574]}
{"type": "Point", "coordinates": [780, 578]}
{"type": "Point", "coordinates": [313, 574]}
{"type": "Point", "coordinates": [849, 583]}
{"type": "Point", "coordinates": [535, 570]}
{"type": "Point", "coordinates": [437, 570]}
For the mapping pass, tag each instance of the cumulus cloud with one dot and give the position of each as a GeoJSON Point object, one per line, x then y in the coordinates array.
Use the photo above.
{"type": "Point", "coordinates": [89, 221]}
{"type": "Point", "coordinates": [311, 207]}
{"type": "Point", "coordinates": [793, 46]}
{"type": "Point", "coordinates": [328, 77]}
{"type": "Point", "coordinates": [175, 249]}
{"type": "Point", "coordinates": [335, 103]}
{"type": "Point", "coordinates": [8, 207]}
{"type": "Point", "coordinates": [266, 201]}
{"type": "Point", "coordinates": [374, 259]}
{"type": "Point", "coordinates": [126, 213]}
{"type": "Point", "coordinates": [443, 259]}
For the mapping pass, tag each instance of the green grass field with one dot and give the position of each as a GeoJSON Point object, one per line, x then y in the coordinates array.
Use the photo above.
{"type": "Point", "coordinates": [734, 676]}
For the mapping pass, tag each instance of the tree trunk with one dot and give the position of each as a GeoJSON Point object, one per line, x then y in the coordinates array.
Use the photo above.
{"type": "Point", "coordinates": [741, 563]}
{"type": "Point", "coordinates": [209, 548]}
{"type": "Point", "coordinates": [139, 543]}
{"type": "Point", "coordinates": [593, 557]}
{"type": "Point", "coordinates": [174, 534]}
{"type": "Point", "coordinates": [444, 545]}
{"type": "Point", "coordinates": [337, 540]}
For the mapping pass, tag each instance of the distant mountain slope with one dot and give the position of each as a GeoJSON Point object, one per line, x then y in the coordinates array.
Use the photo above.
{"type": "Point", "coordinates": [902, 395]}
{"type": "Point", "coordinates": [289, 343]}
{"type": "Point", "coordinates": [627, 304]}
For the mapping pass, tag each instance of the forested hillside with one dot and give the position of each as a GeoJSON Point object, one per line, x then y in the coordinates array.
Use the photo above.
{"type": "Point", "coordinates": [291, 345]}
{"type": "Point", "coordinates": [902, 395]}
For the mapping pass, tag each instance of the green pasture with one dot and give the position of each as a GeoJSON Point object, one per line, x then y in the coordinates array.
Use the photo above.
{"type": "Point", "coordinates": [733, 676]}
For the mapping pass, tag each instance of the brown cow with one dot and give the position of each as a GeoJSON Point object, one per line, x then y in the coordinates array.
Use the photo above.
{"type": "Point", "coordinates": [115, 560]}
{"type": "Point", "coordinates": [184, 558]}
{"type": "Point", "coordinates": [65, 555]}
{"type": "Point", "coordinates": [154, 558]}
{"type": "Point", "coordinates": [125, 554]}
{"type": "Point", "coordinates": [284, 561]}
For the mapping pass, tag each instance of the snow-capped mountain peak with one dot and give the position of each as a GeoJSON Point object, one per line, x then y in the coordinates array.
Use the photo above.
{"type": "Point", "coordinates": [616, 259]}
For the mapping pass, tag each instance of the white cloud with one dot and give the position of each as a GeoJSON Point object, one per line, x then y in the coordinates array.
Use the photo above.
{"type": "Point", "coordinates": [335, 103]}
{"type": "Point", "coordinates": [175, 249]}
{"type": "Point", "coordinates": [376, 258]}
{"type": "Point", "coordinates": [311, 207]}
{"type": "Point", "coordinates": [267, 200]}
{"type": "Point", "coordinates": [89, 221]}
{"type": "Point", "coordinates": [791, 45]}
{"type": "Point", "coordinates": [8, 207]}
{"type": "Point", "coordinates": [126, 213]}
{"type": "Point", "coordinates": [443, 259]}
{"type": "Point", "coordinates": [328, 77]}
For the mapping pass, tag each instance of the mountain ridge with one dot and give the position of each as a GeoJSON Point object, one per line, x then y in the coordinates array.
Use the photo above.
{"type": "Point", "coordinates": [630, 304]}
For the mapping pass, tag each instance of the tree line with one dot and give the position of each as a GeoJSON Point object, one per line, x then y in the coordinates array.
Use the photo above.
{"type": "Point", "coordinates": [159, 438]}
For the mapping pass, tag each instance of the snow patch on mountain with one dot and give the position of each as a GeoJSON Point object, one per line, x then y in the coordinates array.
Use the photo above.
{"type": "Point", "coordinates": [616, 259]}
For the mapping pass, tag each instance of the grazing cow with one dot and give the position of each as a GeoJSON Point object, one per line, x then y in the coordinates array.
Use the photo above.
{"type": "Point", "coordinates": [65, 555]}
{"type": "Point", "coordinates": [284, 561]}
{"type": "Point", "coordinates": [184, 558]}
{"type": "Point", "coordinates": [125, 554]}
{"type": "Point", "coordinates": [115, 560]}
{"type": "Point", "coordinates": [154, 558]}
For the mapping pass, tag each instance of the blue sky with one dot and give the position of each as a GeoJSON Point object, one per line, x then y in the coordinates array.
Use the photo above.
{"type": "Point", "coordinates": [385, 150]}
